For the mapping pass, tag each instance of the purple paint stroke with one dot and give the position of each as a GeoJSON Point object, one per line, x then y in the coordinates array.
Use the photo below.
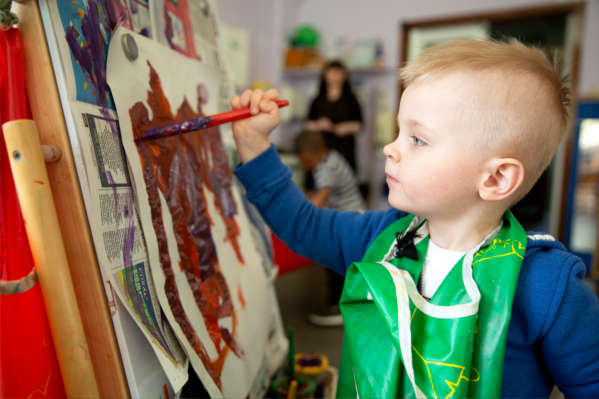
{"type": "Point", "coordinates": [168, 28]}
{"type": "Point", "coordinates": [177, 128]}
{"type": "Point", "coordinates": [116, 196]}
{"type": "Point", "coordinates": [111, 122]}
{"type": "Point", "coordinates": [91, 56]}
{"type": "Point", "coordinates": [133, 7]}
{"type": "Point", "coordinates": [130, 235]}
{"type": "Point", "coordinates": [312, 361]}
{"type": "Point", "coordinates": [222, 190]}
{"type": "Point", "coordinates": [117, 14]}
{"type": "Point", "coordinates": [113, 18]}
{"type": "Point", "coordinates": [129, 215]}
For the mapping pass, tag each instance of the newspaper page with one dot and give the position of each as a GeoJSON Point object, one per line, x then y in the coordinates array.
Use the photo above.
{"type": "Point", "coordinates": [120, 245]}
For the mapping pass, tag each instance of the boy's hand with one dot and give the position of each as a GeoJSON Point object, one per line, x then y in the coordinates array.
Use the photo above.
{"type": "Point", "coordinates": [251, 134]}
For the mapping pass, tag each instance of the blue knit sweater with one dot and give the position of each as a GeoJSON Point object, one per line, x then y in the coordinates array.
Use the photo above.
{"type": "Point", "coordinates": [553, 336]}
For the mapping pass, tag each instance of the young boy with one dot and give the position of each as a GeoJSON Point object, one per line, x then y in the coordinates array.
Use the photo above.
{"type": "Point", "coordinates": [478, 121]}
{"type": "Point", "coordinates": [335, 187]}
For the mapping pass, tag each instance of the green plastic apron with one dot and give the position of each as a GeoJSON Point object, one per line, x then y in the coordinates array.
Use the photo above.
{"type": "Point", "coordinates": [398, 344]}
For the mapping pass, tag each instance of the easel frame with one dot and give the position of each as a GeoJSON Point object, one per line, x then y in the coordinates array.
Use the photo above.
{"type": "Point", "coordinates": [95, 306]}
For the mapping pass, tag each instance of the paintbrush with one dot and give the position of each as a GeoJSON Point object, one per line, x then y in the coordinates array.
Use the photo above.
{"type": "Point", "coordinates": [201, 123]}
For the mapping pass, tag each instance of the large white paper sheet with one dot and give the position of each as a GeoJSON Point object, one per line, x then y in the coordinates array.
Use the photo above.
{"type": "Point", "coordinates": [207, 264]}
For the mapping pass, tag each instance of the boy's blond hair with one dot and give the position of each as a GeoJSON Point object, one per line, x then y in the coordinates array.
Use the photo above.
{"type": "Point", "coordinates": [530, 130]}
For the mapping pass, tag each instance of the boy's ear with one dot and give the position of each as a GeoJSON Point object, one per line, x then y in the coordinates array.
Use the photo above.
{"type": "Point", "coordinates": [501, 179]}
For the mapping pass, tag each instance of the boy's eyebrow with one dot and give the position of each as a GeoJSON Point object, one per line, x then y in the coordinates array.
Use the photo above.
{"type": "Point", "coordinates": [412, 123]}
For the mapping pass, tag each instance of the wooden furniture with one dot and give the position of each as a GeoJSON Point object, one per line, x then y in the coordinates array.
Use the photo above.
{"type": "Point", "coordinates": [91, 296]}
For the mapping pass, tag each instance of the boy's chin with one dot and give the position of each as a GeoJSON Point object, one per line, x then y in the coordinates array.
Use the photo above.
{"type": "Point", "coordinates": [405, 206]}
{"type": "Point", "coordinates": [399, 204]}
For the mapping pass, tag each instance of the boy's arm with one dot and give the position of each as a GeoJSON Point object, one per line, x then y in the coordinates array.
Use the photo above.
{"type": "Point", "coordinates": [570, 334]}
{"type": "Point", "coordinates": [329, 237]}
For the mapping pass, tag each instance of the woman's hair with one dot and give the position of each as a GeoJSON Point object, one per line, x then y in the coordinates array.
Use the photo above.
{"type": "Point", "coordinates": [334, 64]}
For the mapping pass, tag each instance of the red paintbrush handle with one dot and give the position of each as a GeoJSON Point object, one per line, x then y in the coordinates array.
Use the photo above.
{"type": "Point", "coordinates": [232, 116]}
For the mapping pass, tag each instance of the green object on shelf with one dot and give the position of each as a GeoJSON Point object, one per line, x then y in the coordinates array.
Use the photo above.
{"type": "Point", "coordinates": [306, 36]}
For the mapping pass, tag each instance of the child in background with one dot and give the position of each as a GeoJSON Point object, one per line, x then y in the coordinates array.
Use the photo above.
{"type": "Point", "coordinates": [335, 187]}
{"type": "Point", "coordinates": [478, 123]}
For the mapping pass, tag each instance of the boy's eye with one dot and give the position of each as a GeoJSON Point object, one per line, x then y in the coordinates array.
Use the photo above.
{"type": "Point", "coordinates": [417, 140]}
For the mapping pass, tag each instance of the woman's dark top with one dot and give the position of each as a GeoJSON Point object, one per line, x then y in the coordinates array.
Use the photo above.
{"type": "Point", "coordinates": [345, 109]}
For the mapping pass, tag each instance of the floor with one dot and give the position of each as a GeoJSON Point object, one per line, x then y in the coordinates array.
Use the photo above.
{"type": "Point", "coordinates": [300, 292]}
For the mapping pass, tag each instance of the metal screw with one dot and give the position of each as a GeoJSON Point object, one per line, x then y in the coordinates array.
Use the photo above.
{"type": "Point", "coordinates": [129, 47]}
{"type": "Point", "coordinates": [16, 154]}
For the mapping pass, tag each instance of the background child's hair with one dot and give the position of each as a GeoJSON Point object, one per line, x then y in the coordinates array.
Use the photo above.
{"type": "Point", "coordinates": [309, 142]}
{"type": "Point", "coordinates": [532, 132]}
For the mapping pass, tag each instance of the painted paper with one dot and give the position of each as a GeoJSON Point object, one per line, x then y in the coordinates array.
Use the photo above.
{"type": "Point", "coordinates": [208, 268]}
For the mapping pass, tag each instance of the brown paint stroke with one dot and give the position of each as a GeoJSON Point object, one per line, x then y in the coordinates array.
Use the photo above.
{"type": "Point", "coordinates": [181, 168]}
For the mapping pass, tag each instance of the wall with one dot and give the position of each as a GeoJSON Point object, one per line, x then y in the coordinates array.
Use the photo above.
{"type": "Point", "coordinates": [258, 18]}
{"type": "Point", "coordinates": [271, 21]}
{"type": "Point", "coordinates": [382, 18]}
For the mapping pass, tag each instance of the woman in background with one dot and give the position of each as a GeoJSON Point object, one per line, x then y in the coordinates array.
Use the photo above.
{"type": "Point", "coordinates": [335, 112]}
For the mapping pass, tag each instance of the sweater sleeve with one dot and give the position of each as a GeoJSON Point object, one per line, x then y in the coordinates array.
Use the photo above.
{"type": "Point", "coordinates": [332, 238]}
{"type": "Point", "coordinates": [570, 333]}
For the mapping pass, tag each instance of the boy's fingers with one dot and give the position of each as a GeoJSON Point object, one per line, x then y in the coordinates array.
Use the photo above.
{"type": "Point", "coordinates": [236, 102]}
{"type": "Point", "coordinates": [267, 105]}
{"type": "Point", "coordinates": [272, 94]}
{"type": "Point", "coordinates": [255, 101]}
{"type": "Point", "coordinates": [245, 98]}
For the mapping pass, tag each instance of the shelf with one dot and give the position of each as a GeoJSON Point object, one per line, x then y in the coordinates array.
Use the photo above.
{"type": "Point", "coordinates": [305, 73]}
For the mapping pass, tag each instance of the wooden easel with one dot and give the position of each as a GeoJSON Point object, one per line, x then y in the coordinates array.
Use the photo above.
{"type": "Point", "coordinates": [91, 297]}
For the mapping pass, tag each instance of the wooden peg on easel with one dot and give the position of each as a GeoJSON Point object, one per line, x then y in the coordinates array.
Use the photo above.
{"type": "Point", "coordinates": [51, 153]}
{"type": "Point", "coordinates": [45, 239]}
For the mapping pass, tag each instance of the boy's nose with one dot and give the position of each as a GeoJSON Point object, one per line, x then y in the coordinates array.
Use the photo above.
{"type": "Point", "coordinates": [392, 151]}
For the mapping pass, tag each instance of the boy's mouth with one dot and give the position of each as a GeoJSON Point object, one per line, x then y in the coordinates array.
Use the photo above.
{"type": "Point", "coordinates": [391, 180]}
